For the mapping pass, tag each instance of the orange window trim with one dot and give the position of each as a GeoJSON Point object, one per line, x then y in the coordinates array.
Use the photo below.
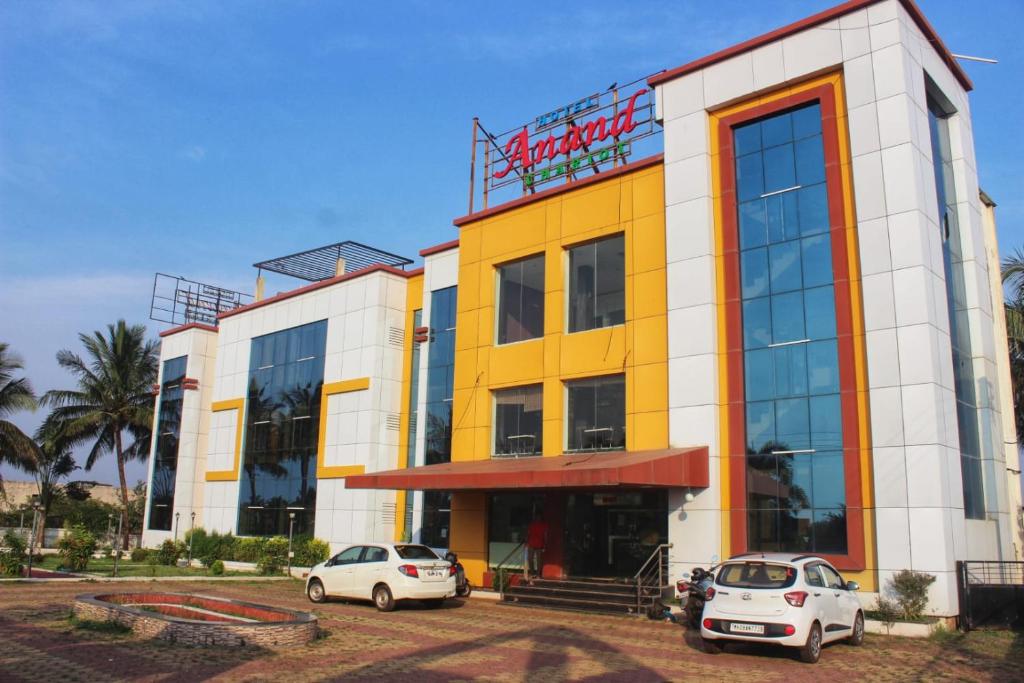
{"type": "Point", "coordinates": [827, 91]}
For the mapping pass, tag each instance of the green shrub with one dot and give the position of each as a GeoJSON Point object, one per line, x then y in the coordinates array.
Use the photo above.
{"type": "Point", "coordinates": [14, 554]}
{"type": "Point", "coordinates": [208, 547]}
{"type": "Point", "coordinates": [247, 550]}
{"type": "Point", "coordinates": [911, 591]}
{"type": "Point", "coordinates": [309, 551]}
{"type": "Point", "coordinates": [217, 568]}
{"type": "Point", "coordinates": [887, 612]}
{"type": "Point", "coordinates": [169, 552]}
{"type": "Point", "coordinates": [140, 555]}
{"type": "Point", "coordinates": [76, 547]}
{"type": "Point", "coordinates": [275, 555]}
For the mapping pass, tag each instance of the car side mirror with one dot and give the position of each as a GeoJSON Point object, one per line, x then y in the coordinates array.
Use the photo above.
{"type": "Point", "coordinates": [852, 586]}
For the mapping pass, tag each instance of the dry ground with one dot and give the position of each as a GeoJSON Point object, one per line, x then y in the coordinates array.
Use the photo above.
{"type": "Point", "coordinates": [473, 640]}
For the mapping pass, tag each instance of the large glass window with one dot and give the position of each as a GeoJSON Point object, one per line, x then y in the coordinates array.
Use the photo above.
{"type": "Point", "coordinates": [796, 498]}
{"type": "Point", "coordinates": [597, 414]}
{"type": "Point", "coordinates": [440, 389]}
{"type": "Point", "coordinates": [168, 432]}
{"type": "Point", "coordinates": [521, 300]}
{"type": "Point", "coordinates": [597, 284]}
{"type": "Point", "coordinates": [959, 322]}
{"type": "Point", "coordinates": [518, 423]}
{"type": "Point", "coordinates": [286, 376]}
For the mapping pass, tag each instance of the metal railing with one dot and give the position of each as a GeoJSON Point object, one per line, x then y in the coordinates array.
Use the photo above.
{"type": "Point", "coordinates": [652, 574]}
{"type": "Point", "coordinates": [500, 570]}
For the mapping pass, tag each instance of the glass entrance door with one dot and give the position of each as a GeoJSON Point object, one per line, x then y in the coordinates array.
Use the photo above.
{"type": "Point", "coordinates": [613, 534]}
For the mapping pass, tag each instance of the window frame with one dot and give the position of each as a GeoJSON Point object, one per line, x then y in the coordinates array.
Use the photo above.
{"type": "Point", "coordinates": [567, 282]}
{"type": "Point", "coordinates": [498, 268]}
{"type": "Point", "coordinates": [567, 386]}
{"type": "Point", "coordinates": [539, 447]}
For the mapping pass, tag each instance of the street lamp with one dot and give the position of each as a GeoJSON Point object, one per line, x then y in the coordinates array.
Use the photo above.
{"type": "Point", "coordinates": [176, 516]}
{"type": "Point", "coordinates": [36, 507]}
{"type": "Point", "coordinates": [21, 524]}
{"type": "Point", "coordinates": [291, 527]}
{"type": "Point", "coordinates": [117, 551]}
{"type": "Point", "coordinates": [191, 534]}
{"type": "Point", "coordinates": [110, 525]}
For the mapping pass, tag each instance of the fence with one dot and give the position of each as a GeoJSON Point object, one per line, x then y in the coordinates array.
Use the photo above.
{"type": "Point", "coordinates": [991, 594]}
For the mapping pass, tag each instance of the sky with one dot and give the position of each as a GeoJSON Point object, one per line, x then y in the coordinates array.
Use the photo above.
{"type": "Point", "coordinates": [197, 138]}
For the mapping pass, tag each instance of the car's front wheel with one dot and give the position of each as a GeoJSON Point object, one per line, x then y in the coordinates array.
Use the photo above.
{"type": "Point", "coordinates": [315, 591]}
{"type": "Point", "coordinates": [382, 598]}
{"type": "Point", "coordinates": [712, 647]}
{"type": "Point", "coordinates": [857, 635]}
{"type": "Point", "coordinates": [811, 651]}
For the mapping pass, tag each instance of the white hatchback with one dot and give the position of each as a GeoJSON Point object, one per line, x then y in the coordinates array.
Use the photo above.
{"type": "Point", "coordinates": [793, 600]}
{"type": "Point", "coordinates": [384, 573]}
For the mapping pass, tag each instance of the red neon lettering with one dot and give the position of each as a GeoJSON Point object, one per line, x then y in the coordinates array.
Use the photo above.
{"type": "Point", "coordinates": [520, 148]}
{"type": "Point", "coordinates": [545, 149]}
{"type": "Point", "coordinates": [623, 122]}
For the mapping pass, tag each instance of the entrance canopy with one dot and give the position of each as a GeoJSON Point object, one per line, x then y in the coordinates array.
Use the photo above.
{"type": "Point", "coordinates": [672, 468]}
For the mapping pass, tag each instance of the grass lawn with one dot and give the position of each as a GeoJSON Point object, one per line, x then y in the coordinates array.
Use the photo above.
{"type": "Point", "coordinates": [105, 567]}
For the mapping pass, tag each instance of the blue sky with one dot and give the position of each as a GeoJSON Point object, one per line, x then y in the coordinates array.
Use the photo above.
{"type": "Point", "coordinates": [195, 138]}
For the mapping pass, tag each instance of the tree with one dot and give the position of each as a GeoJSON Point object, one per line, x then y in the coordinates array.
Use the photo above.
{"type": "Point", "coordinates": [1013, 279]}
{"type": "Point", "coordinates": [15, 395]}
{"type": "Point", "coordinates": [48, 463]}
{"type": "Point", "coordinates": [113, 399]}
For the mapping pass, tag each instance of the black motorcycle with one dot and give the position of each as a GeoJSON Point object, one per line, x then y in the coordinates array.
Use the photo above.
{"type": "Point", "coordinates": [462, 586]}
{"type": "Point", "coordinates": [693, 592]}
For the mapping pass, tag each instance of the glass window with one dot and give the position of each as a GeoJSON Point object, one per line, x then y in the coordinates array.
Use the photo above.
{"type": "Point", "coordinates": [521, 300]}
{"type": "Point", "coordinates": [518, 423]}
{"type": "Point", "coordinates": [278, 474]}
{"type": "Point", "coordinates": [597, 284]}
{"type": "Point", "coordinates": [597, 413]}
{"type": "Point", "coordinates": [795, 476]}
{"type": "Point", "coordinates": [813, 576]}
{"type": "Point", "coordinates": [832, 578]}
{"type": "Point", "coordinates": [415, 552]}
{"type": "Point", "coordinates": [348, 555]}
{"type": "Point", "coordinates": [374, 554]}
{"type": "Point", "coordinates": [756, 575]}
{"type": "Point", "coordinates": [959, 322]}
{"type": "Point", "coordinates": [165, 455]}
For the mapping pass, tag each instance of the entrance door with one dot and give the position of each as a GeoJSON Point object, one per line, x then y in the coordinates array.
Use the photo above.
{"type": "Point", "coordinates": [613, 534]}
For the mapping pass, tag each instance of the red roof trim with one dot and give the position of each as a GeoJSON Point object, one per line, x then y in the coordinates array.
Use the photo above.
{"type": "Point", "coordinates": [576, 184]}
{"type": "Point", "coordinates": [189, 326]}
{"type": "Point", "coordinates": [380, 267]}
{"type": "Point", "coordinates": [679, 467]}
{"type": "Point", "coordinates": [438, 248]}
{"type": "Point", "coordinates": [814, 20]}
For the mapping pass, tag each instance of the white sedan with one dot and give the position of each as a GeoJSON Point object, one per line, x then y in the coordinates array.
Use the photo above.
{"type": "Point", "coordinates": [794, 600]}
{"type": "Point", "coordinates": [384, 573]}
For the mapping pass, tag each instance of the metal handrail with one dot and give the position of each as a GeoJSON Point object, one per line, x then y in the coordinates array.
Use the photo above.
{"type": "Point", "coordinates": [499, 569]}
{"type": "Point", "coordinates": [640, 576]}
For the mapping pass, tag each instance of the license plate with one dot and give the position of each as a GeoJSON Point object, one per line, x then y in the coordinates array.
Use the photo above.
{"type": "Point", "coordinates": [747, 628]}
{"type": "Point", "coordinates": [435, 573]}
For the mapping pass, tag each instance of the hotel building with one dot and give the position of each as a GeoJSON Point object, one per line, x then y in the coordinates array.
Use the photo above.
{"type": "Point", "coordinates": [783, 331]}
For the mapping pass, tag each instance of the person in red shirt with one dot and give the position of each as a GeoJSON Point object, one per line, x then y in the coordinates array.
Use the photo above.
{"type": "Point", "coordinates": [536, 542]}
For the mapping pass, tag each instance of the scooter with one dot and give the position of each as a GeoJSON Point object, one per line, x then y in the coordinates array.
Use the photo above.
{"type": "Point", "coordinates": [695, 592]}
{"type": "Point", "coordinates": [462, 585]}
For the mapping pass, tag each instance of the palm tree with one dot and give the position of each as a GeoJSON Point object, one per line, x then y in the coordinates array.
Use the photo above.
{"type": "Point", "coordinates": [1013, 277]}
{"type": "Point", "coordinates": [15, 395]}
{"type": "Point", "coordinates": [113, 398]}
{"type": "Point", "coordinates": [48, 463]}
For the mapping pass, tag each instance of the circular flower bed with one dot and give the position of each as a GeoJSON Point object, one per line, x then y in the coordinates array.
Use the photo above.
{"type": "Point", "coordinates": [199, 619]}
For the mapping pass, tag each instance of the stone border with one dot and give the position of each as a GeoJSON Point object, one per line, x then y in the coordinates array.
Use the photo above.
{"type": "Point", "coordinates": [294, 627]}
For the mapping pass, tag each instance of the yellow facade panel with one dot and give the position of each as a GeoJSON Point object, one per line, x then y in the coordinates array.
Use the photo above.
{"type": "Point", "coordinates": [469, 284]}
{"type": "Point", "coordinates": [591, 208]}
{"type": "Point", "coordinates": [650, 387]}
{"type": "Point", "coordinates": [597, 351]}
{"type": "Point", "coordinates": [650, 431]}
{"type": "Point", "coordinates": [648, 243]}
{"type": "Point", "coordinates": [466, 332]}
{"type": "Point", "coordinates": [465, 369]}
{"type": "Point", "coordinates": [649, 294]}
{"type": "Point", "coordinates": [517, 363]}
{"type": "Point", "coordinates": [648, 194]}
{"type": "Point", "coordinates": [650, 340]}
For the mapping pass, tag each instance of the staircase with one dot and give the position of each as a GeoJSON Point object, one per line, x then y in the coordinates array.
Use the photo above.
{"type": "Point", "coordinates": [617, 596]}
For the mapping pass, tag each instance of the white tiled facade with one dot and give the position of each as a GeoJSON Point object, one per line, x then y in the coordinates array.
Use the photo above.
{"type": "Point", "coordinates": [884, 60]}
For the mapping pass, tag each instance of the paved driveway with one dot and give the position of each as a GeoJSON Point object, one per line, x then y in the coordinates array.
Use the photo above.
{"type": "Point", "coordinates": [474, 640]}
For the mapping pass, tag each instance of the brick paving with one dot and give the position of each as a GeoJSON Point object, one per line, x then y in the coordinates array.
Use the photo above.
{"type": "Point", "coordinates": [471, 640]}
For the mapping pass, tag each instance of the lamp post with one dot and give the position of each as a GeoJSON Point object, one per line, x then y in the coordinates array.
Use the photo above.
{"type": "Point", "coordinates": [117, 552]}
{"type": "Point", "coordinates": [176, 516]}
{"type": "Point", "coordinates": [291, 527]}
{"type": "Point", "coordinates": [110, 524]}
{"type": "Point", "coordinates": [191, 534]}
{"type": "Point", "coordinates": [36, 507]}
{"type": "Point", "coordinates": [21, 523]}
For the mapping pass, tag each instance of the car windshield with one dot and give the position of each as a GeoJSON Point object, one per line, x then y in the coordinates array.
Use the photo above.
{"type": "Point", "coordinates": [756, 575]}
{"type": "Point", "coordinates": [415, 552]}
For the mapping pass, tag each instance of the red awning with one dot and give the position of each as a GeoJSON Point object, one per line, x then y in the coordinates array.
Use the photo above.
{"type": "Point", "coordinates": [672, 468]}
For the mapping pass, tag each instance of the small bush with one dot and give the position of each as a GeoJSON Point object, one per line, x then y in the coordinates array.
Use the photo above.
{"type": "Point", "coordinates": [76, 548]}
{"type": "Point", "coordinates": [886, 612]}
{"type": "Point", "coordinates": [911, 591]}
{"type": "Point", "coordinates": [309, 551]}
{"type": "Point", "coordinates": [14, 554]}
{"type": "Point", "coordinates": [169, 552]}
{"type": "Point", "coordinates": [275, 555]}
{"type": "Point", "coordinates": [140, 555]}
{"type": "Point", "coordinates": [248, 550]}
{"type": "Point", "coordinates": [208, 547]}
{"type": "Point", "coordinates": [217, 568]}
